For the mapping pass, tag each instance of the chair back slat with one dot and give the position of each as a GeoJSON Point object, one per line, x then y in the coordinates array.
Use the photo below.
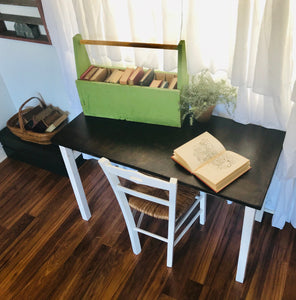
{"type": "Point", "coordinates": [139, 178]}
{"type": "Point", "coordinates": [142, 195]}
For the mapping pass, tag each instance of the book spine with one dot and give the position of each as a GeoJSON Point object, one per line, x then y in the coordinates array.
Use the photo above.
{"type": "Point", "coordinates": [156, 83]}
{"type": "Point", "coordinates": [126, 75]}
{"type": "Point", "coordinates": [85, 72]}
{"type": "Point", "coordinates": [164, 85]}
{"type": "Point", "coordinates": [147, 78]}
{"type": "Point", "coordinates": [173, 83]}
{"type": "Point", "coordinates": [57, 123]}
{"type": "Point", "coordinates": [136, 76]}
{"type": "Point", "coordinates": [90, 73]}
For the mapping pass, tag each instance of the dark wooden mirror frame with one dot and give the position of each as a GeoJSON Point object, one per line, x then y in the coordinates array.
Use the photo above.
{"type": "Point", "coordinates": [10, 34]}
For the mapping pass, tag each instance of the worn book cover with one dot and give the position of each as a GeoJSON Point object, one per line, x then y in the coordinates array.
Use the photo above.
{"type": "Point", "coordinates": [100, 75]}
{"type": "Point", "coordinates": [116, 75]}
{"type": "Point", "coordinates": [90, 73]}
{"type": "Point", "coordinates": [111, 75]}
{"type": "Point", "coordinates": [126, 75]}
{"type": "Point", "coordinates": [173, 83]}
{"type": "Point", "coordinates": [164, 85]}
{"type": "Point", "coordinates": [170, 76]}
{"type": "Point", "coordinates": [136, 76]}
{"type": "Point", "coordinates": [155, 83]}
{"type": "Point", "coordinates": [147, 78]}
{"type": "Point", "coordinates": [82, 76]}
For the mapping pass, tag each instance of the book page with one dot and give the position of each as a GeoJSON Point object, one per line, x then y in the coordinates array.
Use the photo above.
{"type": "Point", "coordinates": [199, 150]}
{"type": "Point", "coordinates": [221, 168]}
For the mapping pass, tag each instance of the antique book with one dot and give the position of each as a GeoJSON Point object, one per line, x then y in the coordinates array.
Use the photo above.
{"type": "Point", "coordinates": [207, 159]}
{"type": "Point", "coordinates": [53, 116]}
{"type": "Point", "coordinates": [82, 76]}
{"type": "Point", "coordinates": [111, 76]}
{"type": "Point", "coordinates": [173, 83]}
{"type": "Point", "coordinates": [29, 115]}
{"type": "Point", "coordinates": [147, 78]}
{"type": "Point", "coordinates": [164, 84]}
{"type": "Point", "coordinates": [90, 73]}
{"type": "Point", "coordinates": [160, 76]}
{"type": "Point", "coordinates": [57, 123]}
{"type": "Point", "coordinates": [43, 114]}
{"type": "Point", "coordinates": [116, 77]}
{"type": "Point", "coordinates": [170, 76]}
{"type": "Point", "coordinates": [155, 83]}
{"type": "Point", "coordinates": [126, 75]}
{"type": "Point", "coordinates": [40, 127]}
{"type": "Point", "coordinates": [100, 75]}
{"type": "Point", "coordinates": [136, 76]}
{"type": "Point", "coordinates": [41, 121]}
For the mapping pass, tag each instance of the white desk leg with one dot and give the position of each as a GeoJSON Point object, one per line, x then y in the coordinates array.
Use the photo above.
{"type": "Point", "coordinates": [76, 183]}
{"type": "Point", "coordinates": [259, 213]}
{"type": "Point", "coordinates": [248, 223]}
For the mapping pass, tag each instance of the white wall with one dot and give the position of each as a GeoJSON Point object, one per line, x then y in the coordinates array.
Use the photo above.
{"type": "Point", "coordinates": [27, 69]}
{"type": "Point", "coordinates": [7, 108]}
{"type": "Point", "coordinates": [30, 68]}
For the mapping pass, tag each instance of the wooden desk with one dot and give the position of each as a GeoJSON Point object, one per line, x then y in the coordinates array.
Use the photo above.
{"type": "Point", "coordinates": [149, 147]}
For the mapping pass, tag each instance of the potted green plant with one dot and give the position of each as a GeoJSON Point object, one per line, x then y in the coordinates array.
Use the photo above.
{"type": "Point", "coordinates": [202, 94]}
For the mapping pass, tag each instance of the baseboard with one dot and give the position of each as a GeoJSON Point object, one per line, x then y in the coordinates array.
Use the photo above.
{"type": "Point", "coordinates": [2, 154]}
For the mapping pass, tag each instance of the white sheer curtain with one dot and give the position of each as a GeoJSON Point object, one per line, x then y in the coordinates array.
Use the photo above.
{"type": "Point", "coordinates": [250, 42]}
{"type": "Point", "coordinates": [265, 83]}
{"type": "Point", "coordinates": [209, 28]}
{"type": "Point", "coordinates": [62, 25]}
{"type": "Point", "coordinates": [131, 20]}
{"type": "Point", "coordinates": [265, 54]}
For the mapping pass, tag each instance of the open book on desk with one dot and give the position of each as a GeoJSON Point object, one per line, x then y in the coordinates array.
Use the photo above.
{"type": "Point", "coordinates": [206, 158]}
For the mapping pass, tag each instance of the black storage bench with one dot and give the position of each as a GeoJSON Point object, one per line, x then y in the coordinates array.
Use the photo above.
{"type": "Point", "coordinates": [47, 157]}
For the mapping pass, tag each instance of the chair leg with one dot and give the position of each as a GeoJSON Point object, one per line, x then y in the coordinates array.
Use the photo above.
{"type": "Point", "coordinates": [135, 243]}
{"type": "Point", "coordinates": [203, 207]}
{"type": "Point", "coordinates": [134, 237]}
{"type": "Point", "coordinates": [171, 239]}
{"type": "Point", "coordinates": [170, 254]}
{"type": "Point", "coordinates": [130, 224]}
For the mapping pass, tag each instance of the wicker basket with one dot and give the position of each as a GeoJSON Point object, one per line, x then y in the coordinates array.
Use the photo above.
{"type": "Point", "coordinates": [16, 125]}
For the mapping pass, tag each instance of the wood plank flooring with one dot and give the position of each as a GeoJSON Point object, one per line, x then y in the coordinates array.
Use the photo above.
{"type": "Point", "coordinates": [48, 252]}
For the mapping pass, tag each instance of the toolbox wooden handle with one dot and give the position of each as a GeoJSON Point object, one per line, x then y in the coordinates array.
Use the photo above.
{"type": "Point", "coordinates": [130, 44]}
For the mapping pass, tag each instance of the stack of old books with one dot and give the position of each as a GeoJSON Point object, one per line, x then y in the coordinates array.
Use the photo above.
{"type": "Point", "coordinates": [131, 76]}
{"type": "Point", "coordinates": [40, 119]}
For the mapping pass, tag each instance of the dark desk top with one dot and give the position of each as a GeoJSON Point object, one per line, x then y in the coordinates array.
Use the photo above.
{"type": "Point", "coordinates": [149, 147]}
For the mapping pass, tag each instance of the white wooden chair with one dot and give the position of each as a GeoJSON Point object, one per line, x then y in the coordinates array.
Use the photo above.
{"type": "Point", "coordinates": [157, 198]}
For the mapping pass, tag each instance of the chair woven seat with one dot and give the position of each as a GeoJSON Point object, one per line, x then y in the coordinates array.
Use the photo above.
{"type": "Point", "coordinates": [185, 198]}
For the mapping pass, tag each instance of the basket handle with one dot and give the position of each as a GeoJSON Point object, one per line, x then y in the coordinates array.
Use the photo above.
{"type": "Point", "coordinates": [130, 44]}
{"type": "Point", "coordinates": [20, 112]}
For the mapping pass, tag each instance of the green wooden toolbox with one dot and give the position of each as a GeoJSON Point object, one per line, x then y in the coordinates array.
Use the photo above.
{"type": "Point", "coordinates": [130, 102]}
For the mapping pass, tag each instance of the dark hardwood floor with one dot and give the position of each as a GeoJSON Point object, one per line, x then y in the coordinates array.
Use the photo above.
{"type": "Point", "coordinates": [48, 252]}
